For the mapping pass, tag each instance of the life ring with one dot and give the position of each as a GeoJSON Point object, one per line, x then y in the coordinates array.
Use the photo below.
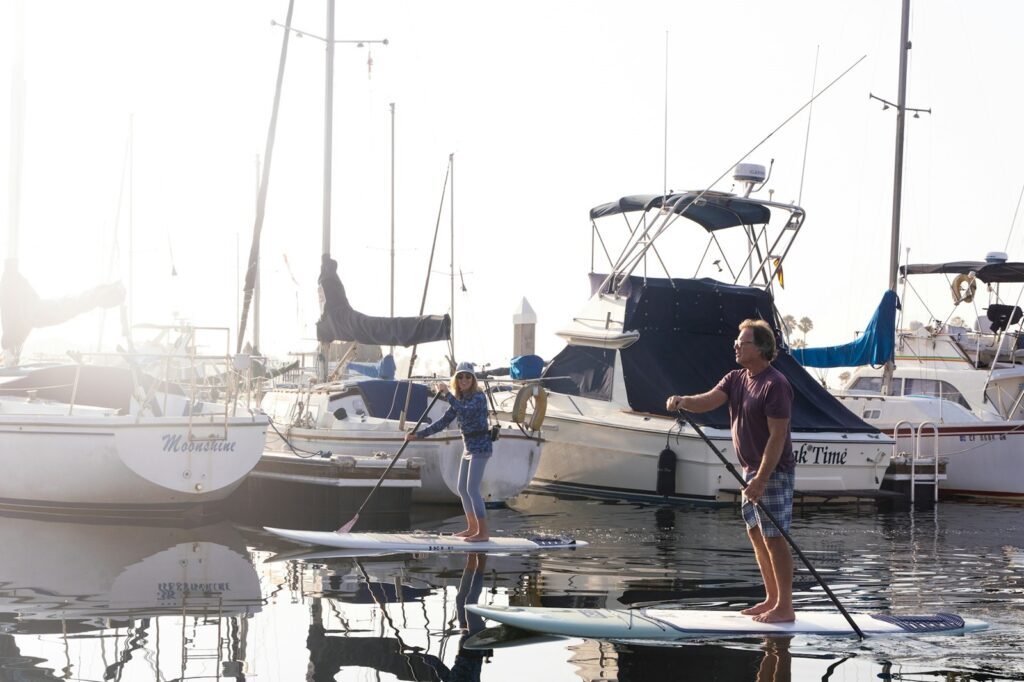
{"type": "Point", "coordinates": [962, 293]}
{"type": "Point", "coordinates": [536, 395]}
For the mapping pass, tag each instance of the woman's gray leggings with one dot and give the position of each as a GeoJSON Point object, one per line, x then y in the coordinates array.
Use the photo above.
{"type": "Point", "coordinates": [471, 472]}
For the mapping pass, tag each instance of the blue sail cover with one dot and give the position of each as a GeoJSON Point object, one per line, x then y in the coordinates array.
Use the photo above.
{"type": "Point", "coordinates": [874, 347]}
{"type": "Point", "coordinates": [687, 327]}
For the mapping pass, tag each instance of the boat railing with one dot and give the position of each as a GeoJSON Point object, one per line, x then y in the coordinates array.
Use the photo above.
{"type": "Point", "coordinates": [214, 385]}
{"type": "Point", "coordinates": [756, 261]}
{"type": "Point", "coordinates": [915, 455]}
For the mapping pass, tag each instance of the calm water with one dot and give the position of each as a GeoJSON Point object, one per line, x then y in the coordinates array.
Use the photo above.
{"type": "Point", "coordinates": [222, 600]}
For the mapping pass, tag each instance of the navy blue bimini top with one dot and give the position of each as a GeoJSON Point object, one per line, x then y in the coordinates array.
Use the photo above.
{"type": "Point", "coordinates": [472, 414]}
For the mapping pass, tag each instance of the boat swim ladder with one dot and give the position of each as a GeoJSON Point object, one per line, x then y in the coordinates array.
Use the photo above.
{"type": "Point", "coordinates": [916, 456]}
{"type": "Point", "coordinates": [198, 609]}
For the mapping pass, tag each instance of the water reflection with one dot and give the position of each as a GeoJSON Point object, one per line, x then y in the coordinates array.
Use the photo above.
{"type": "Point", "coordinates": [81, 600]}
{"type": "Point", "coordinates": [109, 600]}
{"type": "Point", "coordinates": [384, 583]}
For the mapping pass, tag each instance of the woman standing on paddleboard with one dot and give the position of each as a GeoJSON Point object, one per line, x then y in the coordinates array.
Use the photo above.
{"type": "Point", "coordinates": [467, 402]}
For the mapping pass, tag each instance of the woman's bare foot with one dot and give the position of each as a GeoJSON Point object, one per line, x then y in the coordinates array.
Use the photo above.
{"type": "Point", "coordinates": [478, 538]}
{"type": "Point", "coordinates": [757, 609]}
{"type": "Point", "coordinates": [464, 533]}
{"type": "Point", "coordinates": [776, 615]}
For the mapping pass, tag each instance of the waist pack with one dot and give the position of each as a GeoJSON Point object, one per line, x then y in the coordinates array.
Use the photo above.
{"type": "Point", "coordinates": [493, 433]}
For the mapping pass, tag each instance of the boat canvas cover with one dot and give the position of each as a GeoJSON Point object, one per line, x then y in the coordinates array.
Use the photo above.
{"type": "Point", "coordinates": [340, 322]}
{"type": "Point", "coordinates": [874, 347]}
{"type": "Point", "coordinates": [714, 211]}
{"type": "Point", "coordinates": [93, 385]}
{"type": "Point", "coordinates": [687, 328]}
{"type": "Point", "coordinates": [989, 273]}
{"type": "Point", "coordinates": [582, 371]}
{"type": "Point", "coordinates": [386, 399]}
{"type": "Point", "coordinates": [22, 310]}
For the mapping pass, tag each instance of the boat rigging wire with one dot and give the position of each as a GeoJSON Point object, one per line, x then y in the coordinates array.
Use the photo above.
{"type": "Point", "coordinates": [807, 136]}
{"type": "Point", "coordinates": [629, 261]}
{"type": "Point", "coordinates": [1013, 222]}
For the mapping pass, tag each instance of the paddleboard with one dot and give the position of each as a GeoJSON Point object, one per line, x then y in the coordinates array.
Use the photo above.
{"type": "Point", "coordinates": [668, 624]}
{"type": "Point", "coordinates": [423, 542]}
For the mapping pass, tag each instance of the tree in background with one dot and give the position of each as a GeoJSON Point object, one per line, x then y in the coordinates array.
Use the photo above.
{"type": "Point", "coordinates": [803, 326]}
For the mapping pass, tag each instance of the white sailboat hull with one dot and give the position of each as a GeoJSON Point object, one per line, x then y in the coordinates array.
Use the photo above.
{"type": "Point", "coordinates": [121, 462]}
{"type": "Point", "coordinates": [509, 470]}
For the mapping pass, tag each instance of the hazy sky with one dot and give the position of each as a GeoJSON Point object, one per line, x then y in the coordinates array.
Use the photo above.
{"type": "Point", "coordinates": [549, 107]}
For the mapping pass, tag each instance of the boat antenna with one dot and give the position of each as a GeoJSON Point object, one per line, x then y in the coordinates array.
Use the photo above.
{"type": "Point", "coordinates": [664, 149]}
{"type": "Point", "coordinates": [807, 136]}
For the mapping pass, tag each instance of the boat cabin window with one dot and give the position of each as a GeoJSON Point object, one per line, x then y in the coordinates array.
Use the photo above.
{"type": "Point", "coordinates": [935, 389]}
{"type": "Point", "coordinates": [873, 385]}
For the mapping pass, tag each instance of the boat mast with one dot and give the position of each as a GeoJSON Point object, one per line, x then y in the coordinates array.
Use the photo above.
{"type": "Point", "coordinates": [17, 135]}
{"type": "Point", "coordinates": [451, 257]}
{"type": "Point", "coordinates": [897, 175]}
{"type": "Point", "coordinates": [256, 277]}
{"type": "Point", "coordinates": [392, 105]}
{"type": "Point", "coordinates": [325, 243]}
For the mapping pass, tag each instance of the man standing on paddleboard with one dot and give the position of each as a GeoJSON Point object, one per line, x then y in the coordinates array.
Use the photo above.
{"type": "Point", "coordinates": [760, 403]}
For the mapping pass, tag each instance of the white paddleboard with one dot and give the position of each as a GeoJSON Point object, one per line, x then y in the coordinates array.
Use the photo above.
{"type": "Point", "coordinates": [668, 624]}
{"type": "Point", "coordinates": [422, 542]}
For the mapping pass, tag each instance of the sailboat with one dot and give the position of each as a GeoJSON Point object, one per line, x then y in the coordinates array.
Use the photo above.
{"type": "Point", "coordinates": [950, 393]}
{"type": "Point", "coordinates": [99, 434]}
{"type": "Point", "coordinates": [358, 416]}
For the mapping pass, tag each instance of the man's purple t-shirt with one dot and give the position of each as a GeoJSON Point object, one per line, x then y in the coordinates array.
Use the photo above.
{"type": "Point", "coordinates": [752, 401]}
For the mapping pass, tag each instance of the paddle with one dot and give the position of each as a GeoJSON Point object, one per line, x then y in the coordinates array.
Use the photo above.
{"type": "Point", "coordinates": [771, 517]}
{"type": "Point", "coordinates": [348, 526]}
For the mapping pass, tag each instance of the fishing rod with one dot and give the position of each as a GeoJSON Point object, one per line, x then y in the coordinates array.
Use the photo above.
{"type": "Point", "coordinates": [771, 517]}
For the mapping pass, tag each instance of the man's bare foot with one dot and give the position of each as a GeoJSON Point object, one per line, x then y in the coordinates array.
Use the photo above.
{"type": "Point", "coordinates": [776, 616]}
{"type": "Point", "coordinates": [757, 609]}
{"type": "Point", "coordinates": [478, 538]}
{"type": "Point", "coordinates": [464, 533]}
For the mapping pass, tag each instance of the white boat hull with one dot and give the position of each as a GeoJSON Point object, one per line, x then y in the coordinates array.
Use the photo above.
{"type": "Point", "coordinates": [985, 459]}
{"type": "Point", "coordinates": [121, 463]}
{"type": "Point", "coordinates": [509, 470]}
{"type": "Point", "coordinates": [617, 454]}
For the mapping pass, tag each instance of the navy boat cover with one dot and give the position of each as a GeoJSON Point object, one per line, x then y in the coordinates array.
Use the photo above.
{"type": "Point", "coordinates": [687, 328]}
{"type": "Point", "coordinates": [874, 347]}
{"type": "Point", "coordinates": [386, 399]}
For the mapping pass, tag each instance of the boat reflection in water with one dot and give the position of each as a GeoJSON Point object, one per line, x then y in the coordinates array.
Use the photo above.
{"type": "Point", "coordinates": [396, 590]}
{"type": "Point", "coordinates": [157, 601]}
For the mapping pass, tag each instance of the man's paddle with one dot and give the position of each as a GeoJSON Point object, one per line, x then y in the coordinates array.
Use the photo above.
{"type": "Point", "coordinates": [771, 517]}
{"type": "Point", "coordinates": [348, 526]}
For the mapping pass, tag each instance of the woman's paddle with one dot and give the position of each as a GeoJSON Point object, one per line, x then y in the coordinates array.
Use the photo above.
{"type": "Point", "coordinates": [771, 517]}
{"type": "Point", "coordinates": [348, 526]}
